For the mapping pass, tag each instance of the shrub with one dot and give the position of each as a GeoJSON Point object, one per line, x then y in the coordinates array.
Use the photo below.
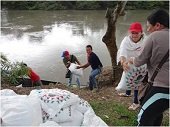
{"type": "Point", "coordinates": [10, 72]}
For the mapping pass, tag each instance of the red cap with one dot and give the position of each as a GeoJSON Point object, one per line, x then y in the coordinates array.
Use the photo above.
{"type": "Point", "coordinates": [65, 53]}
{"type": "Point", "coordinates": [136, 27]}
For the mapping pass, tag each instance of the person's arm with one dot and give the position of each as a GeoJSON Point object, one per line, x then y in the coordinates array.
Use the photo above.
{"type": "Point", "coordinates": [29, 71]}
{"type": "Point", "coordinates": [83, 66]}
{"type": "Point", "coordinates": [122, 52]}
{"type": "Point", "coordinates": [124, 63]}
{"type": "Point", "coordinates": [122, 60]}
{"type": "Point", "coordinates": [29, 75]}
{"type": "Point", "coordinates": [66, 64]}
{"type": "Point", "coordinates": [146, 53]}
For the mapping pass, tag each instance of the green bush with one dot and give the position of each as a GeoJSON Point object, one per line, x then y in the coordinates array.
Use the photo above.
{"type": "Point", "coordinates": [11, 71]}
{"type": "Point", "coordinates": [80, 5]}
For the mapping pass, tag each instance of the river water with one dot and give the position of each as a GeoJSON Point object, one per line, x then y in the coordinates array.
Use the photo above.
{"type": "Point", "coordinates": [38, 38]}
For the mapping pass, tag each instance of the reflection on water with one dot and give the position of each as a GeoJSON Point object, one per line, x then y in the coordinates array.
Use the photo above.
{"type": "Point", "coordinates": [39, 37]}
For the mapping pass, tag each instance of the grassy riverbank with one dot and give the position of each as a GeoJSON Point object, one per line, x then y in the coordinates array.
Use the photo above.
{"type": "Point", "coordinates": [117, 114]}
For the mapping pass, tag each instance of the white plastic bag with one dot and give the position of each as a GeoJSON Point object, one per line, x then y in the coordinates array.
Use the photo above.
{"type": "Point", "coordinates": [132, 78]}
{"type": "Point", "coordinates": [64, 115]}
{"type": "Point", "coordinates": [90, 119]}
{"type": "Point", "coordinates": [53, 100]}
{"type": "Point", "coordinates": [82, 106]}
{"type": "Point", "coordinates": [75, 71]}
{"type": "Point", "coordinates": [7, 92]}
{"type": "Point", "coordinates": [20, 110]}
{"type": "Point", "coordinates": [49, 124]}
{"type": "Point", "coordinates": [76, 119]}
{"type": "Point", "coordinates": [69, 108]}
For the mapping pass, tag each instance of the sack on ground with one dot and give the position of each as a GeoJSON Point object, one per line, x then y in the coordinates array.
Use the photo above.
{"type": "Point", "coordinates": [7, 92]}
{"type": "Point", "coordinates": [90, 119]}
{"type": "Point", "coordinates": [20, 110]}
{"type": "Point", "coordinates": [75, 71]}
{"type": "Point", "coordinates": [76, 119]}
{"type": "Point", "coordinates": [82, 106]}
{"type": "Point", "coordinates": [132, 78]}
{"type": "Point", "coordinates": [49, 124]}
{"type": "Point", "coordinates": [47, 107]}
{"type": "Point", "coordinates": [55, 100]}
{"type": "Point", "coordinates": [64, 115]}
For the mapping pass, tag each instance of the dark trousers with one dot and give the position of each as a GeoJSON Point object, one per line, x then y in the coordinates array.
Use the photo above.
{"type": "Point", "coordinates": [153, 106]}
{"type": "Point", "coordinates": [135, 99]}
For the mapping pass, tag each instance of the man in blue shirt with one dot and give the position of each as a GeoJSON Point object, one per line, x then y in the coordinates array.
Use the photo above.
{"type": "Point", "coordinates": [95, 64]}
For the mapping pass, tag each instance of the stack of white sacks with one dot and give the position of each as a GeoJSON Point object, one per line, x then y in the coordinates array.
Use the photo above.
{"type": "Point", "coordinates": [46, 107]}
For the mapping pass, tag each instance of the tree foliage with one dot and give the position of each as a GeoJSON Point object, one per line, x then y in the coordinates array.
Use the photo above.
{"type": "Point", "coordinates": [79, 5]}
{"type": "Point", "coordinates": [11, 71]}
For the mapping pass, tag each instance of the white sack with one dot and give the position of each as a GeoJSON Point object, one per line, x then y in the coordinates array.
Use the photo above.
{"type": "Point", "coordinates": [90, 119]}
{"type": "Point", "coordinates": [23, 110]}
{"type": "Point", "coordinates": [82, 106]}
{"type": "Point", "coordinates": [76, 119]}
{"type": "Point", "coordinates": [20, 110]}
{"type": "Point", "coordinates": [64, 115]}
{"type": "Point", "coordinates": [75, 71]}
{"type": "Point", "coordinates": [49, 123]}
{"type": "Point", "coordinates": [132, 78]}
{"type": "Point", "coordinates": [70, 109]}
{"type": "Point", "coordinates": [7, 92]}
{"type": "Point", "coordinates": [53, 100]}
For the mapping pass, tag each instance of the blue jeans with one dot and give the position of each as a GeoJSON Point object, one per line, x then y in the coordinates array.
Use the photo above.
{"type": "Point", "coordinates": [92, 78]}
{"type": "Point", "coordinates": [135, 100]}
{"type": "Point", "coordinates": [77, 78]}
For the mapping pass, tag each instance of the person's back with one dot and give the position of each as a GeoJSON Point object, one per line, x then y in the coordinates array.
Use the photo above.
{"type": "Point", "coordinates": [33, 76]}
{"type": "Point", "coordinates": [94, 61]}
{"type": "Point", "coordinates": [160, 45]}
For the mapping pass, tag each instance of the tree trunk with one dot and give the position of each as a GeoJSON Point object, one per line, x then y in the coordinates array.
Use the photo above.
{"type": "Point", "coordinates": [110, 37]}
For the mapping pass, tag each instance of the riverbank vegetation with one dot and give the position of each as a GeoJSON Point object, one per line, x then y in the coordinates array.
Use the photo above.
{"type": "Point", "coordinates": [80, 5]}
{"type": "Point", "coordinates": [10, 71]}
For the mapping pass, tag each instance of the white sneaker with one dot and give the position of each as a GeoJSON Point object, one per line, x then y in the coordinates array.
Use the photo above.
{"type": "Point", "coordinates": [19, 85]}
{"type": "Point", "coordinates": [124, 95]}
{"type": "Point", "coordinates": [134, 106]}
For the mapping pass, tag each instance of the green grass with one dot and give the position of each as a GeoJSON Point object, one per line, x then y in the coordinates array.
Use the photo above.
{"type": "Point", "coordinates": [116, 114]}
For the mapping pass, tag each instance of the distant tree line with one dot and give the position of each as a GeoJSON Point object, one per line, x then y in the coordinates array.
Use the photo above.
{"type": "Point", "coordinates": [80, 5]}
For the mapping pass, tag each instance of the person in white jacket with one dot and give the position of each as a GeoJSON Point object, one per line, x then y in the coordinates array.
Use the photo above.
{"type": "Point", "coordinates": [131, 46]}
